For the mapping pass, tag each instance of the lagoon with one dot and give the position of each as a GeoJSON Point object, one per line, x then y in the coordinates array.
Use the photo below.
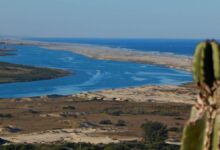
{"type": "Point", "coordinates": [87, 74]}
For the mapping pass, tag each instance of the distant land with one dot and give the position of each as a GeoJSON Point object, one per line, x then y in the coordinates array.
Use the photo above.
{"type": "Point", "coordinates": [10, 73]}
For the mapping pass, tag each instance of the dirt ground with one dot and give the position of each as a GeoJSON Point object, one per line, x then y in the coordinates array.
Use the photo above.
{"type": "Point", "coordinates": [39, 115]}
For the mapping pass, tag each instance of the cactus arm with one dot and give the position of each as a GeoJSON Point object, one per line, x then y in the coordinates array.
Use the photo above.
{"type": "Point", "coordinates": [198, 63]}
{"type": "Point", "coordinates": [194, 132]}
{"type": "Point", "coordinates": [215, 135]}
{"type": "Point", "coordinates": [216, 60]}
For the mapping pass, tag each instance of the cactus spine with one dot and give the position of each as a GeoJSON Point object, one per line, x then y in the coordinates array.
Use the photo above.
{"type": "Point", "coordinates": [202, 130]}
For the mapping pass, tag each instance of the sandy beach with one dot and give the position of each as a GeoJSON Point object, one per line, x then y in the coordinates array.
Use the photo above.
{"type": "Point", "coordinates": [158, 94]}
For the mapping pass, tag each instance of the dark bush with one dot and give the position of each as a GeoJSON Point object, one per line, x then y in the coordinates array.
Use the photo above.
{"type": "Point", "coordinates": [106, 122]}
{"type": "Point", "coordinates": [155, 134]}
{"type": "Point", "coordinates": [69, 107]}
{"type": "Point", "coordinates": [114, 112]}
{"type": "Point", "coordinates": [179, 118]}
{"type": "Point", "coordinates": [174, 129]}
{"type": "Point", "coordinates": [5, 116]}
{"type": "Point", "coordinates": [86, 146]}
{"type": "Point", "coordinates": [121, 123]}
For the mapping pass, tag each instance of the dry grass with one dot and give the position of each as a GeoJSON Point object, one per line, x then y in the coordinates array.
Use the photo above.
{"type": "Point", "coordinates": [38, 114]}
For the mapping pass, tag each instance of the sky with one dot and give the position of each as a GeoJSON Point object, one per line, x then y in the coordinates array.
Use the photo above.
{"type": "Point", "coordinates": [111, 18]}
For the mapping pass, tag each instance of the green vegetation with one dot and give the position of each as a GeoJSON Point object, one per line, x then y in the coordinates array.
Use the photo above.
{"type": "Point", "coordinates": [69, 107]}
{"type": "Point", "coordinates": [84, 146]}
{"type": "Point", "coordinates": [160, 110]}
{"type": "Point", "coordinates": [202, 130]}
{"type": "Point", "coordinates": [174, 129]}
{"type": "Point", "coordinates": [20, 73]}
{"type": "Point", "coordinates": [155, 134]}
{"type": "Point", "coordinates": [5, 115]}
{"type": "Point", "coordinates": [121, 123]}
{"type": "Point", "coordinates": [106, 122]}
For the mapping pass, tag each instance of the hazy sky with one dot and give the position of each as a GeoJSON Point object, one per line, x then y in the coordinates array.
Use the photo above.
{"type": "Point", "coordinates": [111, 18]}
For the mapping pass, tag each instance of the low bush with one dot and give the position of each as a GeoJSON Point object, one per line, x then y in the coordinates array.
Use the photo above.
{"type": "Point", "coordinates": [5, 116]}
{"type": "Point", "coordinates": [106, 122]}
{"type": "Point", "coordinates": [121, 123]}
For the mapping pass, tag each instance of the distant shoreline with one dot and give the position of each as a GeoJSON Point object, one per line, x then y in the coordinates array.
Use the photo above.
{"type": "Point", "coordinates": [12, 73]}
{"type": "Point", "coordinates": [117, 54]}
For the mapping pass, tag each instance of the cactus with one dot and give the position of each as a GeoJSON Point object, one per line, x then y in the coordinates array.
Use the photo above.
{"type": "Point", "coordinates": [202, 130]}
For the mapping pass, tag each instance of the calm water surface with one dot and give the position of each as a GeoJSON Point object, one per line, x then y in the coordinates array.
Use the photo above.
{"type": "Point", "coordinates": [87, 74]}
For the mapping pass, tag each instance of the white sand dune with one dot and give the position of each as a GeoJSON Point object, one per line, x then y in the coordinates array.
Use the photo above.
{"type": "Point", "coordinates": [118, 54]}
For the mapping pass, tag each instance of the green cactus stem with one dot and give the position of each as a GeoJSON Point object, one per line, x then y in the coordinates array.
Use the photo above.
{"type": "Point", "coordinates": [194, 132]}
{"type": "Point", "coordinates": [216, 60]}
{"type": "Point", "coordinates": [202, 130]}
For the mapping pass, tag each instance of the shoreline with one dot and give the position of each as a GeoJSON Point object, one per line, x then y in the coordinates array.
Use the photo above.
{"type": "Point", "coordinates": [14, 73]}
{"type": "Point", "coordinates": [115, 54]}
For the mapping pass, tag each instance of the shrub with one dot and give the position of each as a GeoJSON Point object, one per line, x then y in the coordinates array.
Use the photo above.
{"type": "Point", "coordinates": [121, 123]}
{"type": "Point", "coordinates": [155, 134]}
{"type": "Point", "coordinates": [6, 116]}
{"type": "Point", "coordinates": [105, 122]}
{"type": "Point", "coordinates": [174, 129]}
{"type": "Point", "coordinates": [69, 107]}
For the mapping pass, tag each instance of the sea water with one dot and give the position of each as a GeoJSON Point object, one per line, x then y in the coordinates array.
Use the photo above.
{"type": "Point", "coordinates": [86, 74]}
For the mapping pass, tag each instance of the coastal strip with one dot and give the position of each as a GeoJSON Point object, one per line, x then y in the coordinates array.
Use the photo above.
{"type": "Point", "coordinates": [10, 73]}
{"type": "Point", "coordinates": [117, 54]}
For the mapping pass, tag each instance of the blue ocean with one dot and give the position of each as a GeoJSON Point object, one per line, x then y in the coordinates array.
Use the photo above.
{"type": "Point", "coordinates": [91, 74]}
